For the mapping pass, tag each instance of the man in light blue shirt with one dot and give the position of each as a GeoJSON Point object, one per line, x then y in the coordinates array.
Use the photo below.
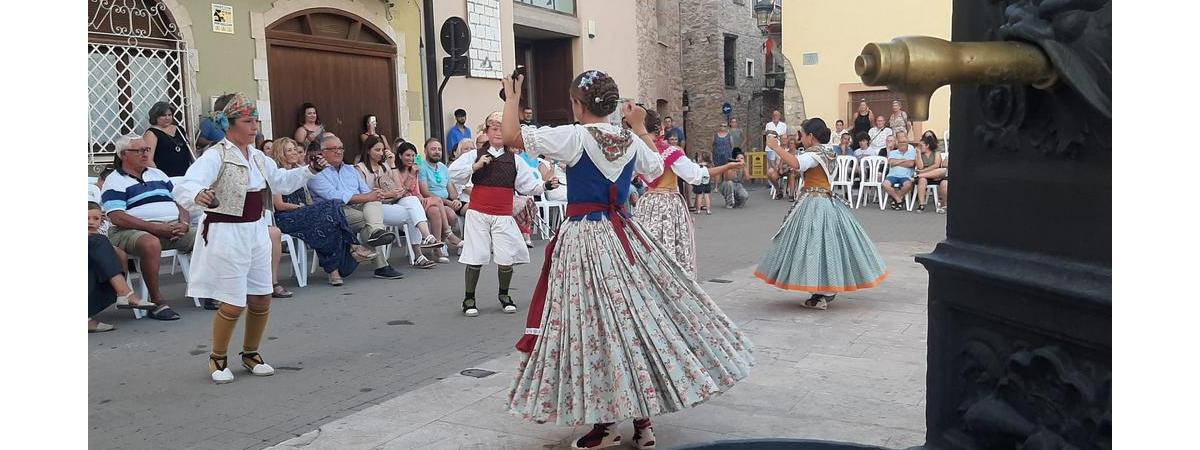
{"type": "Point", "coordinates": [436, 176]}
{"type": "Point", "coordinates": [364, 212]}
{"type": "Point", "coordinates": [901, 162]}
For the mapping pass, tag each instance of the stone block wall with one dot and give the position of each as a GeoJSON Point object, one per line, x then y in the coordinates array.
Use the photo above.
{"type": "Point", "coordinates": [704, 26]}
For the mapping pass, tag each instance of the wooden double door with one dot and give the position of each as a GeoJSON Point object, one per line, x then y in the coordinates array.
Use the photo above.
{"type": "Point", "coordinates": [341, 64]}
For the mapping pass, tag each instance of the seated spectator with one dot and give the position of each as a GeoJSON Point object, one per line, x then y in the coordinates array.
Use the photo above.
{"type": "Point", "coordinates": [436, 211]}
{"type": "Point", "coordinates": [145, 217]}
{"type": "Point", "coordinates": [400, 207]}
{"type": "Point", "coordinates": [842, 148]}
{"type": "Point", "coordinates": [106, 275]}
{"type": "Point", "coordinates": [879, 135]}
{"type": "Point", "coordinates": [732, 189]}
{"type": "Point", "coordinates": [322, 225]}
{"type": "Point", "coordinates": [900, 173]}
{"type": "Point", "coordinates": [361, 204]}
{"type": "Point", "coordinates": [864, 146]}
{"type": "Point", "coordinates": [902, 142]}
{"type": "Point", "coordinates": [780, 171]}
{"type": "Point", "coordinates": [436, 178]}
{"type": "Point", "coordinates": [929, 169]}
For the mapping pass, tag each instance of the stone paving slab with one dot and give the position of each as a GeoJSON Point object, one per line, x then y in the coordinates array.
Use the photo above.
{"type": "Point", "coordinates": [854, 373]}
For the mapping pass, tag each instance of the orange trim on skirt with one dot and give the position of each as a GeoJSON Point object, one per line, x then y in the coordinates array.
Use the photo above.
{"type": "Point", "coordinates": [797, 287]}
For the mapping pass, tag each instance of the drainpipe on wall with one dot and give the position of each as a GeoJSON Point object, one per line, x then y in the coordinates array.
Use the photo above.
{"type": "Point", "coordinates": [430, 67]}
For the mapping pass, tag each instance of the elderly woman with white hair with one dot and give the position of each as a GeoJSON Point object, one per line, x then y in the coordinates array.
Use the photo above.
{"type": "Point", "coordinates": [231, 262]}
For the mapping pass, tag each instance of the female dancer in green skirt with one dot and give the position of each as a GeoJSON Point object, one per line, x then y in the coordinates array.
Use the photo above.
{"type": "Point", "coordinates": [820, 248]}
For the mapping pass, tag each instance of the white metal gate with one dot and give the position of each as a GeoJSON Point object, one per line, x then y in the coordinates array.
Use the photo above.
{"type": "Point", "coordinates": [136, 58]}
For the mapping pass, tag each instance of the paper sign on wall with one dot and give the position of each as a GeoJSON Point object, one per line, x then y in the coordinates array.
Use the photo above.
{"type": "Point", "coordinates": [222, 18]}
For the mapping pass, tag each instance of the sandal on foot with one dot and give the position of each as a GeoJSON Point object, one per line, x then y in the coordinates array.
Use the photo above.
{"type": "Point", "coordinates": [123, 302]}
{"type": "Point", "coordinates": [509, 306]}
{"type": "Point", "coordinates": [643, 436]}
{"type": "Point", "coordinates": [219, 368]}
{"type": "Point", "coordinates": [431, 242]}
{"type": "Point", "coordinates": [335, 280]}
{"type": "Point", "coordinates": [601, 436]}
{"type": "Point", "coordinates": [361, 253]}
{"type": "Point", "coordinates": [253, 362]}
{"type": "Point", "coordinates": [422, 262]}
{"type": "Point", "coordinates": [817, 301]}
{"type": "Point", "coordinates": [100, 328]}
{"type": "Point", "coordinates": [280, 292]}
{"type": "Point", "coordinates": [469, 308]}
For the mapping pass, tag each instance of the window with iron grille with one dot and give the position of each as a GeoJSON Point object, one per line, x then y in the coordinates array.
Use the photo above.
{"type": "Point", "coordinates": [136, 57]}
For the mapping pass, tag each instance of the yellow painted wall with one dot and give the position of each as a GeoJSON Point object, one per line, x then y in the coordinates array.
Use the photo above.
{"type": "Point", "coordinates": [614, 49]}
{"type": "Point", "coordinates": [838, 30]}
{"type": "Point", "coordinates": [407, 19]}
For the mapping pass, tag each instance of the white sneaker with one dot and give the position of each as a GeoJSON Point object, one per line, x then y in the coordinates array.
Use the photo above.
{"type": "Point", "coordinates": [222, 376]}
{"type": "Point", "coordinates": [510, 309]}
{"type": "Point", "coordinates": [471, 312]}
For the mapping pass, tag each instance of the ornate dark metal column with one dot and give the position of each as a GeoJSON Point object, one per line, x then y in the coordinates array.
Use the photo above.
{"type": "Point", "coordinates": [1020, 298]}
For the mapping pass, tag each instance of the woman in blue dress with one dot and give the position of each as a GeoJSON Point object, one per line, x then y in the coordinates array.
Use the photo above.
{"type": "Point", "coordinates": [321, 225]}
{"type": "Point", "coordinates": [617, 329]}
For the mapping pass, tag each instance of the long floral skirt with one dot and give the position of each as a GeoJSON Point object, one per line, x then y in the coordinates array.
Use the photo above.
{"type": "Point", "coordinates": [323, 227]}
{"type": "Point", "coordinates": [666, 217]}
{"type": "Point", "coordinates": [621, 340]}
{"type": "Point", "coordinates": [821, 248]}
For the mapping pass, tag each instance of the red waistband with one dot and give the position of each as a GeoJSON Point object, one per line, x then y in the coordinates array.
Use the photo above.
{"type": "Point", "coordinates": [492, 200]}
{"type": "Point", "coordinates": [252, 210]}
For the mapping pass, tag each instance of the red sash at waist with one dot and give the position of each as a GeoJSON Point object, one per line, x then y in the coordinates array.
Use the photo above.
{"type": "Point", "coordinates": [618, 219]}
{"type": "Point", "coordinates": [492, 200]}
{"type": "Point", "coordinates": [252, 210]}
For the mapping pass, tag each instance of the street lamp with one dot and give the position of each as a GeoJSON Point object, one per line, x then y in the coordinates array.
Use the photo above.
{"type": "Point", "coordinates": [766, 12]}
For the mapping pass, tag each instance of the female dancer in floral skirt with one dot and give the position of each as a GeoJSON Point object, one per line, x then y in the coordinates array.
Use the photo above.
{"type": "Point", "coordinates": [820, 248]}
{"type": "Point", "coordinates": [617, 329]}
{"type": "Point", "coordinates": [662, 211]}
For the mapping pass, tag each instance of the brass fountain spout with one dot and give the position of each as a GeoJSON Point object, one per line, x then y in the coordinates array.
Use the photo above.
{"type": "Point", "coordinates": [918, 65]}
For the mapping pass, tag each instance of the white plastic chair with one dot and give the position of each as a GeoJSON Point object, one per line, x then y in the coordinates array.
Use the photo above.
{"type": "Point", "coordinates": [844, 176]}
{"type": "Point", "coordinates": [546, 206]}
{"type": "Point", "coordinates": [139, 282]}
{"type": "Point", "coordinates": [933, 191]}
{"type": "Point", "coordinates": [296, 251]}
{"type": "Point", "coordinates": [872, 169]}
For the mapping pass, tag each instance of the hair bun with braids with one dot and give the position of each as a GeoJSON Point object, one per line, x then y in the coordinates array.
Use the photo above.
{"type": "Point", "coordinates": [596, 91]}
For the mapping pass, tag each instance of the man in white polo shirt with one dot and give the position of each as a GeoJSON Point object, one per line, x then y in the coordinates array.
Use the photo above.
{"type": "Point", "coordinates": [778, 127]}
{"type": "Point", "coordinates": [145, 217]}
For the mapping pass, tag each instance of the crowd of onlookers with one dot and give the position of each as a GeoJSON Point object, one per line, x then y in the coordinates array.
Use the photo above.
{"type": "Point", "coordinates": [350, 211]}
{"type": "Point", "coordinates": [911, 165]}
{"type": "Point", "coordinates": [347, 214]}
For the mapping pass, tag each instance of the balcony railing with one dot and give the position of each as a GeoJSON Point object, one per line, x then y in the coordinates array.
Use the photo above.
{"type": "Point", "coordinates": [562, 6]}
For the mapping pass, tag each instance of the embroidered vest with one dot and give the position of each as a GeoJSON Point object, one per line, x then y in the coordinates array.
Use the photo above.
{"type": "Point", "coordinates": [233, 180]}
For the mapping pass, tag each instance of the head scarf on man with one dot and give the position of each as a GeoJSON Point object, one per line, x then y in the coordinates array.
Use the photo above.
{"type": "Point", "coordinates": [238, 106]}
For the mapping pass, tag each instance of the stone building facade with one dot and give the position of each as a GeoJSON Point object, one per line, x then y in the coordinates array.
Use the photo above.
{"type": "Point", "coordinates": [659, 55]}
{"type": "Point", "coordinates": [722, 61]}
